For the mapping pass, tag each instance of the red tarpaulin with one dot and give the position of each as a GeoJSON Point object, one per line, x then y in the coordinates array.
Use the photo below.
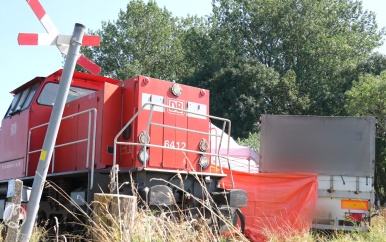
{"type": "Point", "coordinates": [279, 204]}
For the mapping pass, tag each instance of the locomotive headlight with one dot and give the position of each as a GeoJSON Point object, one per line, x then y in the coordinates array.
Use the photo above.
{"type": "Point", "coordinates": [203, 145]}
{"type": "Point", "coordinates": [176, 89]}
{"type": "Point", "coordinates": [144, 138]}
{"type": "Point", "coordinates": [204, 162]}
{"type": "Point", "coordinates": [143, 156]}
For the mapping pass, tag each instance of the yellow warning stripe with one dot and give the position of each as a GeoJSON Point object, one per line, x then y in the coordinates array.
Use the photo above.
{"type": "Point", "coordinates": [43, 155]}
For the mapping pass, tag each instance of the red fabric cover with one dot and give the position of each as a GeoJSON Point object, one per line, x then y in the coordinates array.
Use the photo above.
{"type": "Point", "coordinates": [279, 204]}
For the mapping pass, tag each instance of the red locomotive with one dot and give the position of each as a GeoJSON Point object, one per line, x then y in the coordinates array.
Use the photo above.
{"type": "Point", "coordinates": [148, 127]}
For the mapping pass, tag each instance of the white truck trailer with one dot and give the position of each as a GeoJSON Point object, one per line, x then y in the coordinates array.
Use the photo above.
{"type": "Point", "coordinates": [341, 150]}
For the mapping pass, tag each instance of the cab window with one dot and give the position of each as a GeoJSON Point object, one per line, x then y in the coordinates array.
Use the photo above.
{"type": "Point", "coordinates": [22, 100]}
{"type": "Point", "coordinates": [50, 91]}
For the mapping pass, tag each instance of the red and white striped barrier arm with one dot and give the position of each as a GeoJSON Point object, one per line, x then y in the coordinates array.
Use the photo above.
{"type": "Point", "coordinates": [53, 38]}
{"type": "Point", "coordinates": [42, 16]}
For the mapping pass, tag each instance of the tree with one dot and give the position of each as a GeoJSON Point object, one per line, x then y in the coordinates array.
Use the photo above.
{"type": "Point", "coordinates": [197, 44]}
{"type": "Point", "coordinates": [252, 141]}
{"type": "Point", "coordinates": [144, 40]}
{"type": "Point", "coordinates": [245, 89]}
{"type": "Point", "coordinates": [367, 98]}
{"type": "Point", "coordinates": [315, 39]}
{"type": "Point", "coordinates": [207, 48]}
{"type": "Point", "coordinates": [374, 65]}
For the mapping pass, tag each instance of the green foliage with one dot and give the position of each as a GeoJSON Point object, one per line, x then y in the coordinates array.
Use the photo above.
{"type": "Point", "coordinates": [253, 141]}
{"type": "Point", "coordinates": [375, 64]}
{"type": "Point", "coordinates": [367, 98]}
{"type": "Point", "coordinates": [197, 44]}
{"type": "Point", "coordinates": [144, 40]}
{"type": "Point", "coordinates": [307, 52]}
{"type": "Point", "coordinates": [245, 89]}
{"type": "Point", "coordinates": [255, 56]}
{"type": "Point", "coordinates": [315, 39]}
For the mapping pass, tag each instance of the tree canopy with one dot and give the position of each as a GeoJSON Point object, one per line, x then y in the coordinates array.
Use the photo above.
{"type": "Point", "coordinates": [143, 40]}
{"type": "Point", "coordinates": [255, 56]}
{"type": "Point", "coordinates": [367, 98]}
{"type": "Point", "coordinates": [315, 39]}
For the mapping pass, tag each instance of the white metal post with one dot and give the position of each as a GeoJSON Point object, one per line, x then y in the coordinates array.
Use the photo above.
{"type": "Point", "coordinates": [52, 132]}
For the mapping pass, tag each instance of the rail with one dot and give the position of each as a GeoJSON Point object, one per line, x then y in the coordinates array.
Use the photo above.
{"type": "Point", "coordinates": [217, 155]}
{"type": "Point", "coordinates": [91, 138]}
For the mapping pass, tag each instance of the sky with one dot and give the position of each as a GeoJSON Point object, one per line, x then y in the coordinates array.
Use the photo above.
{"type": "Point", "coordinates": [19, 64]}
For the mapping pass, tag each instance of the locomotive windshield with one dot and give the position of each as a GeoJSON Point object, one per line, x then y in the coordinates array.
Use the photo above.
{"type": "Point", "coordinates": [50, 90]}
{"type": "Point", "coordinates": [22, 100]}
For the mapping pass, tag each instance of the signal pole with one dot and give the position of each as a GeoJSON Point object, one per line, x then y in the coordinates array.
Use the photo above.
{"type": "Point", "coordinates": [52, 132]}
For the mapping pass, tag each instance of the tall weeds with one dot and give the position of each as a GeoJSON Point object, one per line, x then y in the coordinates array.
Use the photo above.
{"type": "Point", "coordinates": [163, 225]}
{"type": "Point", "coordinates": [175, 224]}
{"type": "Point", "coordinates": [376, 233]}
{"type": "Point", "coordinates": [160, 224]}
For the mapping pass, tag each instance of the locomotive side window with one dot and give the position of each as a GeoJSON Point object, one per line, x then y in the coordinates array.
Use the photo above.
{"type": "Point", "coordinates": [50, 90]}
{"type": "Point", "coordinates": [30, 96]}
{"type": "Point", "coordinates": [22, 100]}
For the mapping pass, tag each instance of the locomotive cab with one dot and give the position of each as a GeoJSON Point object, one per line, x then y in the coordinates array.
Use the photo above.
{"type": "Point", "coordinates": [14, 130]}
{"type": "Point", "coordinates": [25, 123]}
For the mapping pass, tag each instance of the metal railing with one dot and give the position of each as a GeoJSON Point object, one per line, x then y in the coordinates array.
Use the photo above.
{"type": "Point", "coordinates": [91, 138]}
{"type": "Point", "coordinates": [149, 123]}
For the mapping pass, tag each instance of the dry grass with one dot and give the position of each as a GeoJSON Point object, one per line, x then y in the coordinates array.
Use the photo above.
{"type": "Point", "coordinates": [179, 225]}
{"type": "Point", "coordinates": [149, 226]}
{"type": "Point", "coordinates": [377, 233]}
{"type": "Point", "coordinates": [38, 234]}
{"type": "Point", "coordinates": [165, 224]}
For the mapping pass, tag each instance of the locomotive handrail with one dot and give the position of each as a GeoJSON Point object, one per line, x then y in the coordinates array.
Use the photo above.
{"type": "Point", "coordinates": [89, 111]}
{"type": "Point", "coordinates": [218, 156]}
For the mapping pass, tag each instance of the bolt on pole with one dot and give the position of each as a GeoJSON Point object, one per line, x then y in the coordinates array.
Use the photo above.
{"type": "Point", "coordinates": [52, 132]}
